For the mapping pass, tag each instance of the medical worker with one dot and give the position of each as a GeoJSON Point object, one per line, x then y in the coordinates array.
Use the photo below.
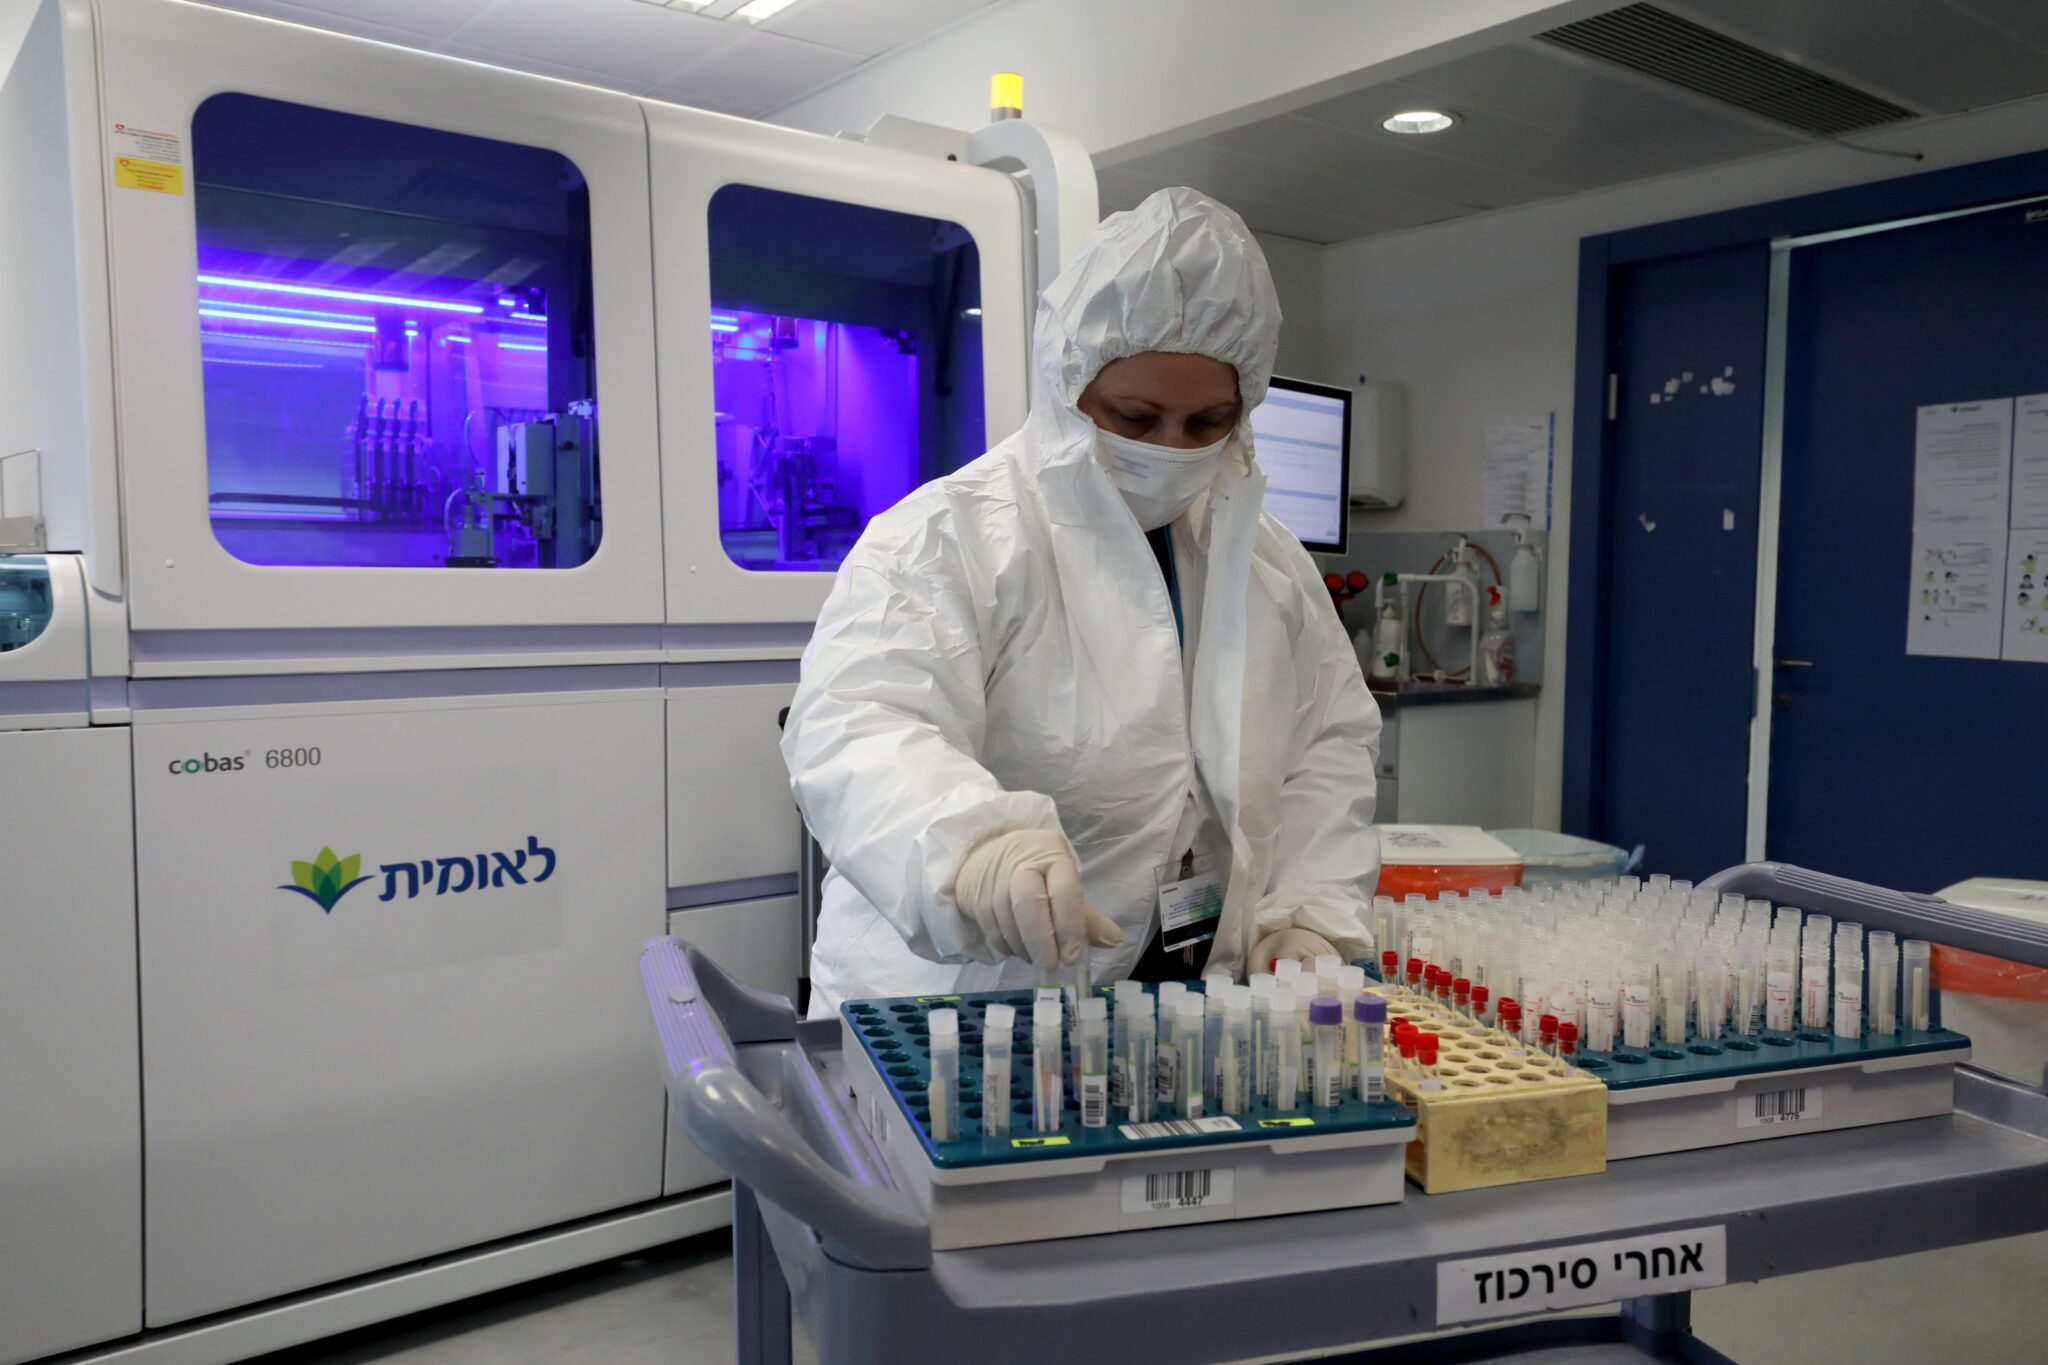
{"type": "Point", "coordinates": [1083, 696]}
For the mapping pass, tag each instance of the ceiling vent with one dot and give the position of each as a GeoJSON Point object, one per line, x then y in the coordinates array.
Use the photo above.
{"type": "Point", "coordinates": [1665, 47]}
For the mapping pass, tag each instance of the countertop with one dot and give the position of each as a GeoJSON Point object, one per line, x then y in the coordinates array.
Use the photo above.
{"type": "Point", "coordinates": [1444, 694]}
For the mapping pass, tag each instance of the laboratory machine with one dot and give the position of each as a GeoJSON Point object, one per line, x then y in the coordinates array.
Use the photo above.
{"type": "Point", "coordinates": [417, 483]}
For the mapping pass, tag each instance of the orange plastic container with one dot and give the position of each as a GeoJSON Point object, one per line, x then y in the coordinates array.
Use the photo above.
{"type": "Point", "coordinates": [1432, 859]}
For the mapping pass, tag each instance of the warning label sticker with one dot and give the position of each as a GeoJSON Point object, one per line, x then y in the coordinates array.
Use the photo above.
{"type": "Point", "coordinates": [147, 160]}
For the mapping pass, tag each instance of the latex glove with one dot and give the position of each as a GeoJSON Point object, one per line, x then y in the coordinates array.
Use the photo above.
{"type": "Point", "coordinates": [1299, 944]}
{"type": "Point", "coordinates": [1024, 890]}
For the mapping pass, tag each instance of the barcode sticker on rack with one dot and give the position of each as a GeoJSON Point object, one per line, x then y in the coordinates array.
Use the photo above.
{"type": "Point", "coordinates": [1163, 1191]}
{"type": "Point", "coordinates": [1137, 1132]}
{"type": "Point", "coordinates": [1778, 1108]}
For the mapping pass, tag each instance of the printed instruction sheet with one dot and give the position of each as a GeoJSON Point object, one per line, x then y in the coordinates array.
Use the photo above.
{"type": "Point", "coordinates": [1519, 456]}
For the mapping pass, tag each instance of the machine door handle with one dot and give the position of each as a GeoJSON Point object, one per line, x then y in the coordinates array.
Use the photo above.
{"type": "Point", "coordinates": [1783, 662]}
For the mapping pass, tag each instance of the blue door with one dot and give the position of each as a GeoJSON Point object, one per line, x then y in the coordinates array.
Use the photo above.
{"type": "Point", "coordinates": [1907, 771]}
{"type": "Point", "coordinates": [1680, 527]}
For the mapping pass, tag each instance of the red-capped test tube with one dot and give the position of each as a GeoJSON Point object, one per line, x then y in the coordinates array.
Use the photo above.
{"type": "Point", "coordinates": [1567, 1040]}
{"type": "Point", "coordinates": [1425, 1058]}
{"type": "Point", "coordinates": [1510, 1016]}
{"type": "Point", "coordinates": [1415, 976]}
{"type": "Point", "coordinates": [1479, 998]}
{"type": "Point", "coordinates": [1461, 996]}
{"type": "Point", "coordinates": [1546, 1034]}
{"type": "Point", "coordinates": [1390, 967]}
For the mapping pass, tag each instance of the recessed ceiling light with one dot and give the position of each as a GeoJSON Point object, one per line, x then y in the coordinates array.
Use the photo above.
{"type": "Point", "coordinates": [1420, 121]}
{"type": "Point", "coordinates": [754, 11]}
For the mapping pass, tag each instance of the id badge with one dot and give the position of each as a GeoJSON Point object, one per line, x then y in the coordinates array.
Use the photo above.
{"type": "Point", "coordinates": [1190, 906]}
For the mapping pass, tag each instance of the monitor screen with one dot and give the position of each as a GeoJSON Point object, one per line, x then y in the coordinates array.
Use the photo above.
{"type": "Point", "coordinates": [1303, 433]}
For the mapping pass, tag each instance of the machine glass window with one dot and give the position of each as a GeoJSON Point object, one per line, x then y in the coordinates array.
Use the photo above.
{"type": "Point", "coordinates": [396, 342]}
{"type": "Point", "coordinates": [24, 601]}
{"type": "Point", "coordinates": [846, 368]}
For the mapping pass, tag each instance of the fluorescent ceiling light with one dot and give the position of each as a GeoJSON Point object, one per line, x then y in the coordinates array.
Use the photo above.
{"type": "Point", "coordinates": [1420, 121]}
{"type": "Point", "coordinates": [754, 11]}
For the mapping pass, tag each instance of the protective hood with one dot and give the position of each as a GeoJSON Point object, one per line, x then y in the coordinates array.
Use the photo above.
{"type": "Point", "coordinates": [1178, 273]}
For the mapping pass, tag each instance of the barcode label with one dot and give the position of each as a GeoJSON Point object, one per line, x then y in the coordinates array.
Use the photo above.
{"type": "Point", "coordinates": [1166, 1079]}
{"type": "Point", "coordinates": [1771, 1108]}
{"type": "Point", "coordinates": [1165, 1191]}
{"type": "Point", "coordinates": [1179, 1128]}
{"type": "Point", "coordinates": [1094, 1100]}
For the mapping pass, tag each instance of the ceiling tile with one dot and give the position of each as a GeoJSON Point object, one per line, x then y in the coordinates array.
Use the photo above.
{"type": "Point", "coordinates": [633, 44]}
{"type": "Point", "coordinates": [1915, 51]}
{"type": "Point", "coordinates": [1204, 164]}
{"type": "Point", "coordinates": [435, 18]}
{"type": "Point", "coordinates": [1555, 116]}
{"type": "Point", "coordinates": [760, 71]}
{"type": "Point", "coordinates": [869, 27]}
{"type": "Point", "coordinates": [1388, 161]}
{"type": "Point", "coordinates": [2026, 20]}
{"type": "Point", "coordinates": [519, 61]}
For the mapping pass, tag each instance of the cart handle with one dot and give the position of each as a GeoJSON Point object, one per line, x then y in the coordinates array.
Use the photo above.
{"type": "Point", "coordinates": [1903, 912]}
{"type": "Point", "coordinates": [737, 1126]}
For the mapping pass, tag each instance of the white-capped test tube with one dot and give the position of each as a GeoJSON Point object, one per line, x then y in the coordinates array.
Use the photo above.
{"type": "Point", "coordinates": [1142, 1060]}
{"type": "Point", "coordinates": [1048, 1086]}
{"type": "Point", "coordinates": [1234, 1065]}
{"type": "Point", "coordinates": [996, 1024]}
{"type": "Point", "coordinates": [1369, 1025]}
{"type": "Point", "coordinates": [1188, 1038]}
{"type": "Point", "coordinates": [1883, 956]}
{"type": "Point", "coordinates": [1916, 996]}
{"type": "Point", "coordinates": [1091, 1045]}
{"type": "Point", "coordinates": [943, 1029]}
{"type": "Point", "coordinates": [1327, 967]}
{"type": "Point", "coordinates": [1285, 1027]}
{"type": "Point", "coordinates": [1326, 1022]}
{"type": "Point", "coordinates": [1848, 981]}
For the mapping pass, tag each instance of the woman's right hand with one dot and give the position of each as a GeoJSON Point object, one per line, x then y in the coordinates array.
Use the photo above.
{"type": "Point", "coordinates": [1023, 889]}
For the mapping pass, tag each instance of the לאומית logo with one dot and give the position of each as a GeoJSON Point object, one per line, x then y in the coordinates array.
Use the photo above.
{"type": "Point", "coordinates": [327, 878]}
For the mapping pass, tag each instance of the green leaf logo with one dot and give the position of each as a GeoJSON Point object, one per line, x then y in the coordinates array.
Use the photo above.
{"type": "Point", "coordinates": [326, 879]}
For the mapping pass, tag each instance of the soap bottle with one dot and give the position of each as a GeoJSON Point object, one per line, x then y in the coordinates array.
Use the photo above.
{"type": "Point", "coordinates": [1389, 657]}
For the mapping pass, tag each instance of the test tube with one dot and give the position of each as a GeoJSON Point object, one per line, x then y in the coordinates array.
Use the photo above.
{"type": "Point", "coordinates": [1390, 969]}
{"type": "Point", "coordinates": [1546, 1035]}
{"type": "Point", "coordinates": [1350, 985]}
{"type": "Point", "coordinates": [1285, 1029]}
{"type": "Point", "coordinates": [1749, 971]}
{"type": "Point", "coordinates": [1287, 971]}
{"type": "Point", "coordinates": [1674, 978]}
{"type": "Point", "coordinates": [1849, 981]}
{"type": "Point", "coordinates": [1091, 1048]}
{"type": "Point", "coordinates": [1382, 921]}
{"type": "Point", "coordinates": [1234, 1070]}
{"type": "Point", "coordinates": [1884, 983]}
{"type": "Point", "coordinates": [1262, 988]}
{"type": "Point", "coordinates": [1568, 1042]}
{"type": "Point", "coordinates": [1917, 957]}
{"type": "Point", "coordinates": [1142, 1061]}
{"type": "Point", "coordinates": [1327, 967]}
{"type": "Point", "coordinates": [1813, 971]}
{"type": "Point", "coordinates": [1305, 1077]}
{"type": "Point", "coordinates": [1047, 1086]}
{"type": "Point", "coordinates": [1461, 995]}
{"type": "Point", "coordinates": [1120, 1043]}
{"type": "Point", "coordinates": [1479, 1004]}
{"type": "Point", "coordinates": [1214, 998]}
{"type": "Point", "coordinates": [1636, 1007]}
{"type": "Point", "coordinates": [1415, 977]}
{"type": "Point", "coordinates": [1602, 1012]}
{"type": "Point", "coordinates": [996, 1024]}
{"type": "Point", "coordinates": [1189, 1041]}
{"type": "Point", "coordinates": [1779, 978]}
{"type": "Point", "coordinates": [1368, 1025]}
{"type": "Point", "coordinates": [1326, 1023]}
{"type": "Point", "coordinates": [1710, 975]}
{"type": "Point", "coordinates": [1425, 1062]}
{"type": "Point", "coordinates": [943, 1029]}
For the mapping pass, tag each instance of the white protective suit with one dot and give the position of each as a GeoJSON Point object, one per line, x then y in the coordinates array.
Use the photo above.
{"type": "Point", "coordinates": [999, 653]}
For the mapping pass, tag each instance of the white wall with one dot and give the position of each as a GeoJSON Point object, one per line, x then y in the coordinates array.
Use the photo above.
{"type": "Point", "coordinates": [1298, 277]}
{"type": "Point", "coordinates": [1479, 319]}
{"type": "Point", "coordinates": [1128, 75]}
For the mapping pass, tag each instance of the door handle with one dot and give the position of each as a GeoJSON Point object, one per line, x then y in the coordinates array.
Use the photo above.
{"type": "Point", "coordinates": [1792, 663]}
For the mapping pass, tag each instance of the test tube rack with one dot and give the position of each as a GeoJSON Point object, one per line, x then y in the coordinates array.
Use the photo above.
{"type": "Point", "coordinates": [1505, 1112]}
{"type": "Point", "coordinates": [1029, 1186]}
{"type": "Point", "coordinates": [1743, 1089]}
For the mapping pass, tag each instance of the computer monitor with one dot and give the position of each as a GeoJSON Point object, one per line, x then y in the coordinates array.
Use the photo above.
{"type": "Point", "coordinates": [1303, 432]}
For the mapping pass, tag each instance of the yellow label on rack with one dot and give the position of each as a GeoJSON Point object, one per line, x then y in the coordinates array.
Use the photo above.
{"type": "Point", "coordinates": [1287, 1123]}
{"type": "Point", "coordinates": [1039, 1142]}
{"type": "Point", "coordinates": [926, 999]}
{"type": "Point", "coordinates": [132, 173]}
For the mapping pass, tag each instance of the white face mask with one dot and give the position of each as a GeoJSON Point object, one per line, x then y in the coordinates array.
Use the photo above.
{"type": "Point", "coordinates": [1158, 482]}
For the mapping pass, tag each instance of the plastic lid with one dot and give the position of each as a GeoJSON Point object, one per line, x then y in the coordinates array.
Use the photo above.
{"type": "Point", "coordinates": [1000, 1018]}
{"type": "Point", "coordinates": [1238, 1000]}
{"type": "Point", "coordinates": [1392, 580]}
{"type": "Point", "coordinates": [943, 1024]}
{"type": "Point", "coordinates": [1480, 995]}
{"type": "Point", "coordinates": [1325, 1009]}
{"type": "Point", "coordinates": [1402, 1028]}
{"type": "Point", "coordinates": [1046, 1014]}
{"type": "Point", "coordinates": [1406, 1043]}
{"type": "Point", "coordinates": [1094, 1007]}
{"type": "Point", "coordinates": [1170, 990]}
{"type": "Point", "coordinates": [1567, 1031]}
{"type": "Point", "coordinates": [1414, 968]}
{"type": "Point", "coordinates": [1327, 962]}
{"type": "Point", "coordinates": [1461, 986]}
{"type": "Point", "coordinates": [1425, 1049]}
{"type": "Point", "coordinates": [1286, 969]}
{"type": "Point", "coordinates": [1282, 1001]}
{"type": "Point", "coordinates": [1546, 1023]}
{"type": "Point", "coordinates": [1190, 1006]}
{"type": "Point", "coordinates": [1211, 980]}
{"type": "Point", "coordinates": [1369, 1009]}
{"type": "Point", "coordinates": [1390, 962]}
{"type": "Point", "coordinates": [1351, 979]}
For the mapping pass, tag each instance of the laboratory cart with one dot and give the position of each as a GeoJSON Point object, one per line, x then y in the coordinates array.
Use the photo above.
{"type": "Point", "coordinates": [820, 1227]}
